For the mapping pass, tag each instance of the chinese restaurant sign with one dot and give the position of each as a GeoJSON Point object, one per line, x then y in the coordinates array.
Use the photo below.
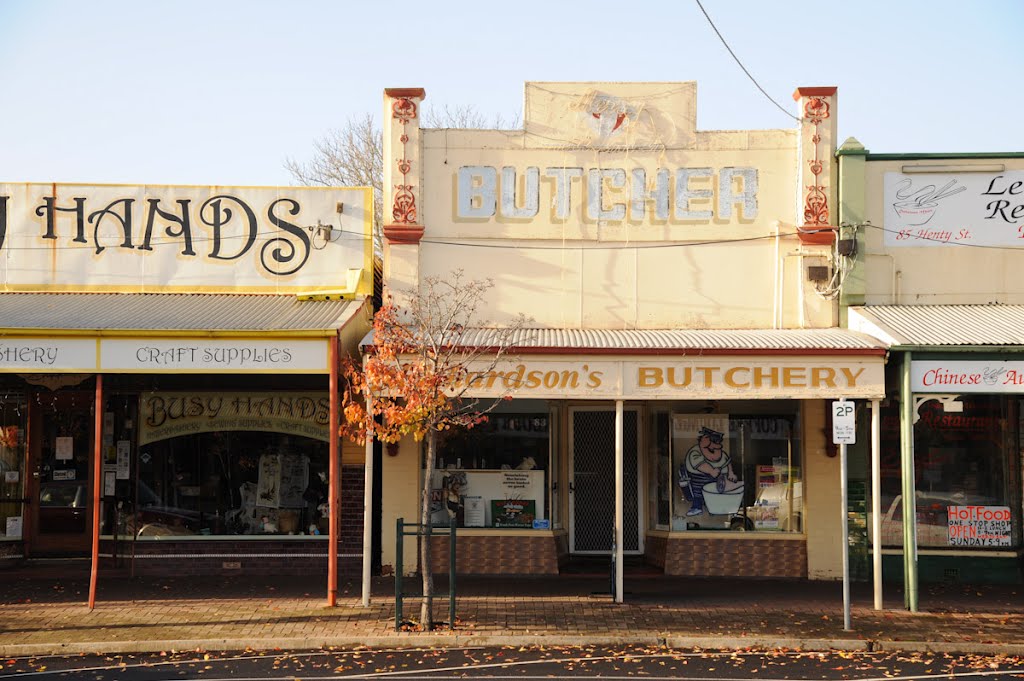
{"type": "Point", "coordinates": [165, 415]}
{"type": "Point", "coordinates": [181, 238]}
{"type": "Point", "coordinates": [949, 209]}
{"type": "Point", "coordinates": [979, 525]}
{"type": "Point", "coordinates": [971, 376]}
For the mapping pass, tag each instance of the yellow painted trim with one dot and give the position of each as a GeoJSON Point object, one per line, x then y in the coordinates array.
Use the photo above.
{"type": "Point", "coordinates": [217, 187]}
{"type": "Point", "coordinates": [44, 334]}
{"type": "Point", "coordinates": [138, 289]}
{"type": "Point", "coordinates": [98, 344]}
{"type": "Point", "coordinates": [36, 370]}
{"type": "Point", "coordinates": [201, 371]}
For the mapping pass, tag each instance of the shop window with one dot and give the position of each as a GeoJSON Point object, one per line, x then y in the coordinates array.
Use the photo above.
{"type": "Point", "coordinates": [231, 483]}
{"type": "Point", "coordinates": [12, 466]}
{"type": "Point", "coordinates": [498, 473]}
{"type": "Point", "coordinates": [659, 473]}
{"type": "Point", "coordinates": [962, 460]}
{"type": "Point", "coordinates": [735, 472]}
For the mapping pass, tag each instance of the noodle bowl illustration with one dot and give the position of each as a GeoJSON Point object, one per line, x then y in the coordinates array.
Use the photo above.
{"type": "Point", "coordinates": [917, 207]}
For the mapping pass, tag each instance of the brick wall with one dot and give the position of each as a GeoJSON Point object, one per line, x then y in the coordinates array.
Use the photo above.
{"type": "Point", "coordinates": [255, 556]}
{"type": "Point", "coordinates": [734, 556]}
{"type": "Point", "coordinates": [495, 554]}
{"type": "Point", "coordinates": [655, 546]}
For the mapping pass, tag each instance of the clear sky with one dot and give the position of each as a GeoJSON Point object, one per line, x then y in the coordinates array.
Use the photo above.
{"type": "Point", "coordinates": [222, 92]}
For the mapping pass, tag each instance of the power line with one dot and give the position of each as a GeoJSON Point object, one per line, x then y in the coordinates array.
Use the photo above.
{"type": "Point", "coordinates": [752, 79]}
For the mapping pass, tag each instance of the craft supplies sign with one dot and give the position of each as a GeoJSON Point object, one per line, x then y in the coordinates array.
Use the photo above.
{"type": "Point", "coordinates": [979, 525]}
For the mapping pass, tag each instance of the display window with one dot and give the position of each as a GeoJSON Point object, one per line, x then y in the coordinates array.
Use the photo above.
{"type": "Point", "coordinates": [231, 483]}
{"type": "Point", "coordinates": [13, 413]}
{"type": "Point", "coordinates": [966, 473]}
{"type": "Point", "coordinates": [726, 471]}
{"type": "Point", "coordinates": [497, 474]}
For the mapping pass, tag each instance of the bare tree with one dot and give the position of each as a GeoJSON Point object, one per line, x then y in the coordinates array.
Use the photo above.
{"type": "Point", "coordinates": [353, 155]}
{"type": "Point", "coordinates": [428, 358]}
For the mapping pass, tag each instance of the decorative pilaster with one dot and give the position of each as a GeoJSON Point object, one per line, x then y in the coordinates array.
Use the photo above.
{"type": "Point", "coordinates": [817, 209]}
{"type": "Point", "coordinates": [402, 167]}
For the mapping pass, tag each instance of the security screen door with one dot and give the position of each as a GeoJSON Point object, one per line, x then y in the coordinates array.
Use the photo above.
{"type": "Point", "coordinates": [592, 481]}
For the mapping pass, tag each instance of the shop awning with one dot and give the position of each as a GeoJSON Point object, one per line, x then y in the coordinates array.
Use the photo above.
{"type": "Point", "coordinates": [604, 364]}
{"type": "Point", "coordinates": [167, 312]}
{"type": "Point", "coordinates": [174, 333]}
{"type": "Point", "coordinates": [678, 341]}
{"type": "Point", "coordinates": [951, 326]}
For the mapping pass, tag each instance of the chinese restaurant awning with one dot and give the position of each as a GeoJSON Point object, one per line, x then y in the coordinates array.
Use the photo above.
{"type": "Point", "coordinates": [180, 333]}
{"type": "Point", "coordinates": [942, 326]}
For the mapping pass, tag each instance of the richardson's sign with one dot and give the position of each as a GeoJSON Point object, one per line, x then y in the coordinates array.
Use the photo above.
{"type": "Point", "coordinates": [747, 378]}
{"type": "Point", "coordinates": [181, 238]}
{"type": "Point", "coordinates": [972, 376]}
{"type": "Point", "coordinates": [167, 415]}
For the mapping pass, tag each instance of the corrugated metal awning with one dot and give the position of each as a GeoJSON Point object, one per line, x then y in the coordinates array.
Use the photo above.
{"type": "Point", "coordinates": [676, 341]}
{"type": "Point", "coordinates": [168, 312]}
{"type": "Point", "coordinates": [941, 325]}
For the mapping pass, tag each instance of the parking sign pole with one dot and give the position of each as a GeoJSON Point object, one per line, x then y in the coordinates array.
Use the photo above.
{"type": "Point", "coordinates": [846, 531]}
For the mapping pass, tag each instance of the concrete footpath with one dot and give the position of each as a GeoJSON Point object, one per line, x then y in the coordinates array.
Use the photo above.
{"type": "Point", "coordinates": [45, 615]}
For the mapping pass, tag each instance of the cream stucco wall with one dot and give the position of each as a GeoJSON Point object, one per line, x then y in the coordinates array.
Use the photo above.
{"type": "Point", "coordinates": [401, 475]}
{"type": "Point", "coordinates": [822, 516]}
{"type": "Point", "coordinates": [937, 275]}
{"type": "Point", "coordinates": [610, 209]}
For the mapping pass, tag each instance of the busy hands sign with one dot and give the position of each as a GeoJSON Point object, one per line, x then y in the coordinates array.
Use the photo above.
{"type": "Point", "coordinates": [180, 238]}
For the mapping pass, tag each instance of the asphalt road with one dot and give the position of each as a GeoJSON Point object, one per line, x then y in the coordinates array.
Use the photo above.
{"type": "Point", "coordinates": [517, 663]}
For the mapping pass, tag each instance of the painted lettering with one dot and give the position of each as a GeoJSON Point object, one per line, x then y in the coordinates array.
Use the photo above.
{"type": "Point", "coordinates": [852, 376]}
{"type": "Point", "coordinates": [649, 377]}
{"type": "Point", "coordinates": [732, 381]}
{"type": "Point", "coordinates": [823, 376]}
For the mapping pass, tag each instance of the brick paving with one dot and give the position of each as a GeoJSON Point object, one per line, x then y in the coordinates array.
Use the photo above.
{"type": "Point", "coordinates": [47, 611]}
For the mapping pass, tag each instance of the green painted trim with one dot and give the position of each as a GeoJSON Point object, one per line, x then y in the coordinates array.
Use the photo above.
{"type": "Point", "coordinates": [852, 152]}
{"type": "Point", "coordinates": [965, 155]}
{"type": "Point", "coordinates": [961, 349]}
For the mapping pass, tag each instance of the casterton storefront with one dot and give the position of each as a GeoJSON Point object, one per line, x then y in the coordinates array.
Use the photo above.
{"type": "Point", "coordinates": [682, 345]}
{"type": "Point", "coordinates": [195, 328]}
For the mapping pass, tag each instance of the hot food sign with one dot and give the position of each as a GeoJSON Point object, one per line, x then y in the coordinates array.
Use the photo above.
{"type": "Point", "coordinates": [181, 238]}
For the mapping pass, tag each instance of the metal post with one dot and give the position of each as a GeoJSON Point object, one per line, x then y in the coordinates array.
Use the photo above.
{"type": "Point", "coordinates": [876, 499]}
{"type": "Point", "coordinates": [368, 507]}
{"type": "Point", "coordinates": [334, 483]}
{"type": "Point", "coordinates": [399, 569]}
{"type": "Point", "coordinates": [618, 500]}
{"type": "Point", "coordinates": [97, 488]}
{"type": "Point", "coordinates": [908, 487]}
{"type": "Point", "coordinates": [845, 540]}
{"type": "Point", "coordinates": [451, 575]}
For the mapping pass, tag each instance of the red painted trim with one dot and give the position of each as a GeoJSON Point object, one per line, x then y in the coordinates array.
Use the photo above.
{"type": "Point", "coordinates": [827, 91]}
{"type": "Point", "coordinates": [698, 352]}
{"type": "Point", "coordinates": [334, 475]}
{"type": "Point", "coordinates": [403, 234]}
{"type": "Point", "coordinates": [397, 92]}
{"type": "Point", "coordinates": [817, 236]}
{"type": "Point", "coordinates": [97, 489]}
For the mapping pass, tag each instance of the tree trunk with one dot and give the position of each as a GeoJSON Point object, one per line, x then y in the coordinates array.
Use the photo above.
{"type": "Point", "coordinates": [427, 604]}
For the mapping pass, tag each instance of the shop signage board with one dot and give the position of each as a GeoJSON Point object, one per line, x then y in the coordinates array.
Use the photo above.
{"type": "Point", "coordinates": [45, 355]}
{"type": "Point", "coordinates": [979, 525]}
{"type": "Point", "coordinates": [968, 376]}
{"type": "Point", "coordinates": [698, 378]}
{"type": "Point", "coordinates": [191, 355]}
{"type": "Point", "coordinates": [940, 209]}
{"type": "Point", "coordinates": [71, 237]}
{"type": "Point", "coordinates": [165, 415]}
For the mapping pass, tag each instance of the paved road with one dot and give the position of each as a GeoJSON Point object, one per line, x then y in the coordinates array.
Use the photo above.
{"type": "Point", "coordinates": [517, 663]}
